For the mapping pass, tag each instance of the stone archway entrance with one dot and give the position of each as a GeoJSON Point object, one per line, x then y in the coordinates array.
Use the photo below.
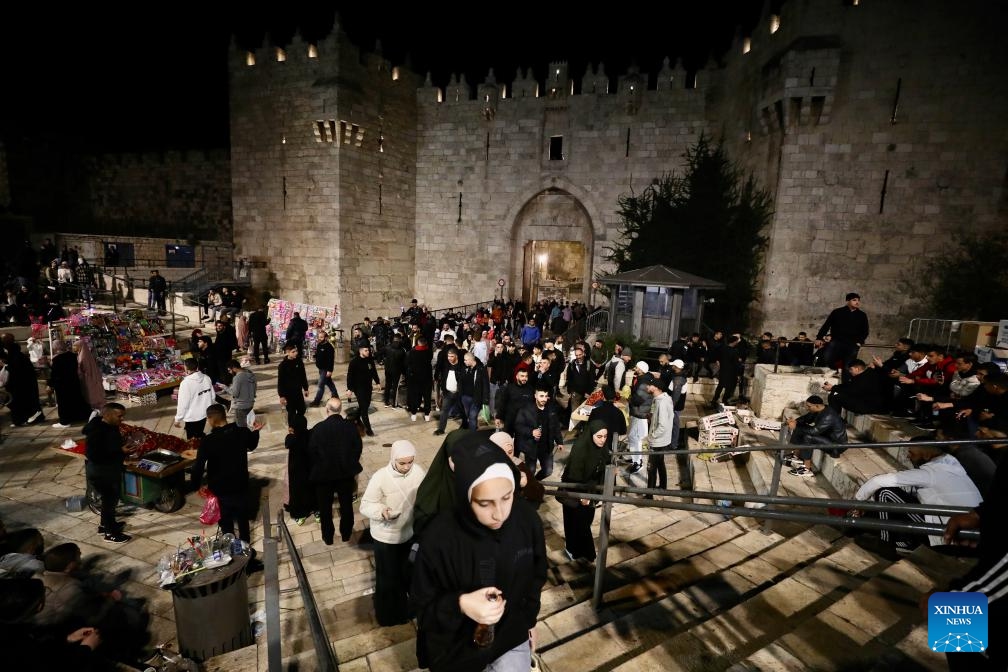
{"type": "Point", "coordinates": [552, 248]}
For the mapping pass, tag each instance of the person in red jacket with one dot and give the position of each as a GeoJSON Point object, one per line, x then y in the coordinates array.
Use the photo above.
{"type": "Point", "coordinates": [934, 374]}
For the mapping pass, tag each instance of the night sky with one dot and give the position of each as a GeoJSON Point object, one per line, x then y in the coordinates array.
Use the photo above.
{"type": "Point", "coordinates": [99, 79]}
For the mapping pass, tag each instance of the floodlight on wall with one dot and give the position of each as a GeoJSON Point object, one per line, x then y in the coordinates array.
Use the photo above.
{"type": "Point", "coordinates": [746, 45]}
{"type": "Point", "coordinates": [774, 23]}
{"type": "Point", "coordinates": [281, 55]}
{"type": "Point", "coordinates": [312, 51]}
{"type": "Point", "coordinates": [395, 74]}
{"type": "Point", "coordinates": [249, 58]}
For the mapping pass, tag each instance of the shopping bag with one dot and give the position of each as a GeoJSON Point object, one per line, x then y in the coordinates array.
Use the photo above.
{"type": "Point", "coordinates": [211, 511]}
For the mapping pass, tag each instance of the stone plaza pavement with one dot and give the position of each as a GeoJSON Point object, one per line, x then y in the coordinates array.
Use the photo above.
{"type": "Point", "coordinates": [35, 480]}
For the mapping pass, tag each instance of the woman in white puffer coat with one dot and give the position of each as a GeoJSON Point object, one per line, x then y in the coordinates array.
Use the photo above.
{"type": "Point", "coordinates": [388, 503]}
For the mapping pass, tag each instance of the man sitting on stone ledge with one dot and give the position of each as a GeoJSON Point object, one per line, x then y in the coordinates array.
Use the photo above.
{"type": "Point", "coordinates": [821, 425]}
{"type": "Point", "coordinates": [938, 478]}
{"type": "Point", "coordinates": [861, 394]}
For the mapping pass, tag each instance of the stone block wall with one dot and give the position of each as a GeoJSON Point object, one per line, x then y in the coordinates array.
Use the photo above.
{"type": "Point", "coordinates": [492, 154]}
{"type": "Point", "coordinates": [845, 102]}
{"type": "Point", "coordinates": [322, 173]}
{"type": "Point", "coordinates": [877, 127]}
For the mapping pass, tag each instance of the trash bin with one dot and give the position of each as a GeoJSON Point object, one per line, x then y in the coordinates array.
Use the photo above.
{"type": "Point", "coordinates": [212, 611]}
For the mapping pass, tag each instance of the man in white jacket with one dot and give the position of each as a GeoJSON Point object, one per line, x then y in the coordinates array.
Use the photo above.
{"type": "Point", "coordinates": [196, 394]}
{"type": "Point", "coordinates": [938, 479]}
{"type": "Point", "coordinates": [388, 502]}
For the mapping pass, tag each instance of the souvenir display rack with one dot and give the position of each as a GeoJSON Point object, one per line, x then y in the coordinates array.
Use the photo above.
{"type": "Point", "coordinates": [134, 351]}
{"type": "Point", "coordinates": [319, 318]}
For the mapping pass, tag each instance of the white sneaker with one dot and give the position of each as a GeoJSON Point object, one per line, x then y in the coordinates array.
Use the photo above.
{"type": "Point", "coordinates": [426, 418]}
{"type": "Point", "coordinates": [60, 425]}
{"type": "Point", "coordinates": [413, 417]}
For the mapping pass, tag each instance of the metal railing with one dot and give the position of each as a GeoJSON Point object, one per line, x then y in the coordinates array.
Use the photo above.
{"type": "Point", "coordinates": [769, 503]}
{"type": "Point", "coordinates": [324, 653]}
{"type": "Point", "coordinates": [580, 328]}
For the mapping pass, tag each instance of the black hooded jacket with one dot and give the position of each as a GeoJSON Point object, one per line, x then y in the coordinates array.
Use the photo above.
{"type": "Point", "coordinates": [459, 555]}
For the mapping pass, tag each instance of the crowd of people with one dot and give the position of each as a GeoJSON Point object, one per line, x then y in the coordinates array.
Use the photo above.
{"type": "Point", "coordinates": [458, 544]}
{"type": "Point", "coordinates": [59, 610]}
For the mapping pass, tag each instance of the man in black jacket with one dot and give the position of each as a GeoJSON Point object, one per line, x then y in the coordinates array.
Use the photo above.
{"type": "Point", "coordinates": [292, 382]}
{"type": "Point", "coordinates": [297, 329]}
{"type": "Point", "coordinates": [731, 365]}
{"type": "Point", "coordinates": [158, 288]}
{"type": "Point", "coordinates": [512, 397]}
{"type": "Point", "coordinates": [821, 425]}
{"type": "Point", "coordinates": [224, 454]}
{"type": "Point", "coordinates": [225, 343]}
{"type": "Point", "coordinates": [335, 451]}
{"type": "Point", "coordinates": [361, 372]}
{"type": "Point", "coordinates": [861, 394]}
{"type": "Point", "coordinates": [106, 450]}
{"type": "Point", "coordinates": [848, 326]}
{"type": "Point", "coordinates": [538, 432]}
{"type": "Point", "coordinates": [474, 389]}
{"type": "Point", "coordinates": [325, 360]}
{"type": "Point", "coordinates": [395, 367]}
{"type": "Point", "coordinates": [580, 378]}
{"type": "Point", "coordinates": [419, 379]}
{"type": "Point", "coordinates": [257, 323]}
{"type": "Point", "coordinates": [448, 384]}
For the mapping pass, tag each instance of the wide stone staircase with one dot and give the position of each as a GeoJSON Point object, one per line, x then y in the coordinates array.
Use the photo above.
{"type": "Point", "coordinates": [683, 590]}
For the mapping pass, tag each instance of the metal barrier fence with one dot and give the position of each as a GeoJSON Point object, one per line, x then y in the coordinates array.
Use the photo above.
{"type": "Point", "coordinates": [942, 332]}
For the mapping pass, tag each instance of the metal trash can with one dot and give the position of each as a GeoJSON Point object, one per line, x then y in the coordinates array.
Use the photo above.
{"type": "Point", "coordinates": [212, 611]}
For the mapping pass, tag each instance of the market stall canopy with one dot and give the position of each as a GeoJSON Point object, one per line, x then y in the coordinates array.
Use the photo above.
{"type": "Point", "coordinates": [657, 303]}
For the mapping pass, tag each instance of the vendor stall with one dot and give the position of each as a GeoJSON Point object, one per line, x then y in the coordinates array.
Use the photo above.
{"type": "Point", "coordinates": [137, 356]}
{"type": "Point", "coordinates": [154, 473]}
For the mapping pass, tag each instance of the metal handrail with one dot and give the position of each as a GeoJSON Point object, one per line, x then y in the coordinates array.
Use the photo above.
{"type": "Point", "coordinates": [271, 580]}
{"type": "Point", "coordinates": [610, 496]}
{"type": "Point", "coordinates": [323, 647]}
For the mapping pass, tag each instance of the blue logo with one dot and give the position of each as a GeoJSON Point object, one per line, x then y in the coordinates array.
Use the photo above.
{"type": "Point", "coordinates": [957, 622]}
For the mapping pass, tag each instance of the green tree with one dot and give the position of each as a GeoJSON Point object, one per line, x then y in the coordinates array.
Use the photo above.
{"type": "Point", "coordinates": [968, 283]}
{"type": "Point", "coordinates": [708, 221]}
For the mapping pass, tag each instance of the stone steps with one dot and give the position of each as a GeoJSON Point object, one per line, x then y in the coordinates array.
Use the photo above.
{"type": "Point", "coordinates": [683, 595]}
{"type": "Point", "coordinates": [879, 620]}
{"type": "Point", "coordinates": [806, 621]}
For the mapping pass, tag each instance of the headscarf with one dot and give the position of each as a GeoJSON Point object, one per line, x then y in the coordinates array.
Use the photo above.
{"type": "Point", "coordinates": [90, 375]}
{"type": "Point", "coordinates": [504, 440]}
{"type": "Point", "coordinates": [437, 490]}
{"type": "Point", "coordinates": [482, 462]}
{"type": "Point", "coordinates": [400, 449]}
{"type": "Point", "coordinates": [585, 457]}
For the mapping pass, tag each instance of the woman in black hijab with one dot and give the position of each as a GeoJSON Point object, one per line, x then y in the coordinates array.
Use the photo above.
{"type": "Point", "coordinates": [480, 564]}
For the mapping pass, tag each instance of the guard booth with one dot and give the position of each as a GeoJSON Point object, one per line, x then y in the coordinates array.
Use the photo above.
{"type": "Point", "coordinates": [657, 303]}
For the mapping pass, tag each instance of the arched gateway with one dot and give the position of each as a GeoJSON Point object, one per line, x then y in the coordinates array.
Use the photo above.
{"type": "Point", "coordinates": [552, 247]}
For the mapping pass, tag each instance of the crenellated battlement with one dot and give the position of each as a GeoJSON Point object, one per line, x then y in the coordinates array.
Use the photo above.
{"type": "Point", "coordinates": [559, 84]}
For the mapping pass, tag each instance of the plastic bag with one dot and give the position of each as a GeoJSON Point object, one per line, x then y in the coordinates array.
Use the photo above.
{"type": "Point", "coordinates": [486, 416]}
{"type": "Point", "coordinates": [211, 511]}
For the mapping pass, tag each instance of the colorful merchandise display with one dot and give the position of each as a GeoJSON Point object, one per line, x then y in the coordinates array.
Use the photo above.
{"type": "Point", "coordinates": [319, 318]}
{"type": "Point", "coordinates": [136, 354]}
